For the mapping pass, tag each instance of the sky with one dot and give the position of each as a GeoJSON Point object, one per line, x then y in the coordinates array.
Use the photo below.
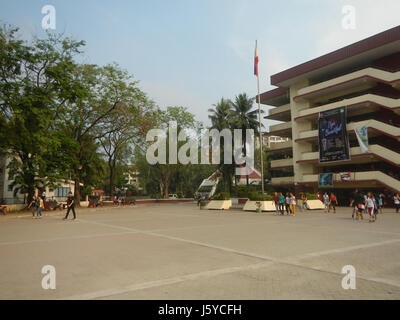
{"type": "Point", "coordinates": [192, 53]}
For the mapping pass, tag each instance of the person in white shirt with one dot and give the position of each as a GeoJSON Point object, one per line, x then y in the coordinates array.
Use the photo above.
{"type": "Point", "coordinates": [325, 199]}
{"type": "Point", "coordinates": [370, 204]}
{"type": "Point", "coordinates": [396, 200]}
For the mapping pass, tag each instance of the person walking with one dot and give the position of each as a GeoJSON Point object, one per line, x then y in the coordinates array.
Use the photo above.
{"type": "Point", "coordinates": [32, 205]}
{"type": "Point", "coordinates": [281, 203]}
{"type": "Point", "coordinates": [304, 204]}
{"type": "Point", "coordinates": [381, 202]}
{"type": "Point", "coordinates": [39, 205]}
{"type": "Point", "coordinates": [293, 204]}
{"type": "Point", "coordinates": [70, 206]}
{"type": "Point", "coordinates": [333, 202]}
{"type": "Point", "coordinates": [396, 200]}
{"type": "Point", "coordinates": [287, 203]}
{"type": "Point", "coordinates": [371, 207]}
{"type": "Point", "coordinates": [276, 202]}
{"type": "Point", "coordinates": [325, 199]}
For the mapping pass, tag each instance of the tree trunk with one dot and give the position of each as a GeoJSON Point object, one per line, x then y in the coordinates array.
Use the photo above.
{"type": "Point", "coordinates": [77, 190]}
{"type": "Point", "coordinates": [111, 166]}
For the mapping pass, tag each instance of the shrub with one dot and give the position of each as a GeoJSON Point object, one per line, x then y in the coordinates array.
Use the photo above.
{"type": "Point", "coordinates": [311, 196]}
{"type": "Point", "coordinates": [222, 196]}
{"type": "Point", "coordinates": [255, 196]}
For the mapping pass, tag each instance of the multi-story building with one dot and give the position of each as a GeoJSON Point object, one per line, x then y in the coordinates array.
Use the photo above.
{"type": "Point", "coordinates": [269, 140]}
{"type": "Point", "coordinates": [364, 77]}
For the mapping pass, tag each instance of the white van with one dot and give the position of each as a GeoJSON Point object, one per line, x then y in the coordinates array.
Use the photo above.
{"type": "Point", "coordinates": [172, 196]}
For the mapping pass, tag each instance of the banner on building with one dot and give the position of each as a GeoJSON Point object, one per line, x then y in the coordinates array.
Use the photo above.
{"type": "Point", "coordinates": [325, 180]}
{"type": "Point", "coordinates": [332, 135]}
{"type": "Point", "coordinates": [345, 176]}
{"type": "Point", "coordinates": [362, 137]}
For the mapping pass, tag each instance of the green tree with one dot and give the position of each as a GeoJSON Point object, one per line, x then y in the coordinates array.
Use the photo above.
{"type": "Point", "coordinates": [35, 82]}
{"type": "Point", "coordinates": [244, 117]}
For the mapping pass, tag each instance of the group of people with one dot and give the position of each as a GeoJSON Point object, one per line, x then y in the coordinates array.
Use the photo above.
{"type": "Point", "coordinates": [38, 204]}
{"type": "Point", "coordinates": [285, 203]}
{"type": "Point", "coordinates": [330, 201]}
{"type": "Point", "coordinates": [367, 203]}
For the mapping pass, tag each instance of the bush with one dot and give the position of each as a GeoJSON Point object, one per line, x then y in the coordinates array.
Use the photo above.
{"type": "Point", "coordinates": [311, 196]}
{"type": "Point", "coordinates": [180, 195]}
{"type": "Point", "coordinates": [255, 196]}
{"type": "Point", "coordinates": [222, 196]}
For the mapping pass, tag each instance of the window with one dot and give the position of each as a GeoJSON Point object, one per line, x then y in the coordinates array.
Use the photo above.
{"type": "Point", "coordinates": [61, 192]}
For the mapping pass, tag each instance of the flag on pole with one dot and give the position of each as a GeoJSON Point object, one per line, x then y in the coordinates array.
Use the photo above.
{"type": "Point", "coordinates": [256, 61]}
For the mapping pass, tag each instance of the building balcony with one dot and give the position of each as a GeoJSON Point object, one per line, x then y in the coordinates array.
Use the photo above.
{"type": "Point", "coordinates": [282, 129]}
{"type": "Point", "coordinates": [356, 104]}
{"type": "Point", "coordinates": [374, 128]}
{"type": "Point", "coordinates": [281, 146]}
{"type": "Point", "coordinates": [281, 113]}
{"type": "Point", "coordinates": [364, 77]}
{"type": "Point", "coordinates": [375, 151]}
{"type": "Point", "coordinates": [282, 181]}
{"type": "Point", "coordinates": [367, 179]}
{"type": "Point", "coordinates": [281, 163]}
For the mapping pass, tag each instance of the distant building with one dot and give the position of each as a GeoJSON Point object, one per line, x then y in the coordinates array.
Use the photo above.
{"type": "Point", "coordinates": [9, 196]}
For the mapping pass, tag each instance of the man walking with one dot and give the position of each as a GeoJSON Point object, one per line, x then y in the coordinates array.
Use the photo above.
{"type": "Point", "coordinates": [70, 205]}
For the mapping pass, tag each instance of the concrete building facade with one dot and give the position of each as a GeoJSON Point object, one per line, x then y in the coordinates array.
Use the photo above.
{"type": "Point", "coordinates": [363, 77]}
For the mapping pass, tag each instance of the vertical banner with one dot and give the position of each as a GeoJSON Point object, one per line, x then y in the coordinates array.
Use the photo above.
{"type": "Point", "coordinates": [332, 135]}
{"type": "Point", "coordinates": [362, 137]}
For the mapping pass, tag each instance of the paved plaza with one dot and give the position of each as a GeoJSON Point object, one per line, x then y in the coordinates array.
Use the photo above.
{"type": "Point", "coordinates": [176, 251]}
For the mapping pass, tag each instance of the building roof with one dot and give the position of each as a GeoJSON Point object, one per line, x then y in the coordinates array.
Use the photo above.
{"type": "Point", "coordinates": [374, 47]}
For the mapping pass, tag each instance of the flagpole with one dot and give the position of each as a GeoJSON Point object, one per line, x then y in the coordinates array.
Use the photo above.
{"type": "Point", "coordinates": [261, 139]}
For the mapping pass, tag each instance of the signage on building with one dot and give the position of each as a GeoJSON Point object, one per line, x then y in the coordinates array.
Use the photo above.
{"type": "Point", "coordinates": [332, 135]}
{"type": "Point", "coordinates": [362, 137]}
{"type": "Point", "coordinates": [325, 180]}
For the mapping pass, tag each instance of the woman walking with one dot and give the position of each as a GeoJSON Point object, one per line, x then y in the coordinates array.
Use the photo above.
{"type": "Point", "coordinates": [333, 202]}
{"type": "Point", "coordinates": [293, 204]}
{"type": "Point", "coordinates": [370, 204]}
{"type": "Point", "coordinates": [287, 203]}
{"type": "Point", "coordinates": [281, 203]}
{"type": "Point", "coordinates": [396, 200]}
{"type": "Point", "coordinates": [325, 199]}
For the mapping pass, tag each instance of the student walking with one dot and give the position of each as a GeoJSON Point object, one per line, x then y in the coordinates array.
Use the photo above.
{"type": "Point", "coordinates": [39, 205]}
{"type": "Point", "coordinates": [281, 203]}
{"type": "Point", "coordinates": [32, 205]}
{"type": "Point", "coordinates": [371, 207]}
{"type": "Point", "coordinates": [287, 203]}
{"type": "Point", "coordinates": [325, 199]}
{"type": "Point", "coordinates": [396, 200]}
{"type": "Point", "coordinates": [70, 205]}
{"type": "Point", "coordinates": [293, 204]}
{"type": "Point", "coordinates": [276, 202]}
{"type": "Point", "coordinates": [333, 202]}
{"type": "Point", "coordinates": [381, 202]}
{"type": "Point", "coordinates": [304, 204]}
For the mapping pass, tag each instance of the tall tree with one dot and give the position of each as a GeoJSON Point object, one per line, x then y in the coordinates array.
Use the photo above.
{"type": "Point", "coordinates": [244, 117]}
{"type": "Point", "coordinates": [35, 83]}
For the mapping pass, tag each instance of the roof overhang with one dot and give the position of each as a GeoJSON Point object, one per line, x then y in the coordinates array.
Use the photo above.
{"type": "Point", "coordinates": [359, 53]}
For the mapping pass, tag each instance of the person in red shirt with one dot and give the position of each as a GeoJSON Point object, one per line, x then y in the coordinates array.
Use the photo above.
{"type": "Point", "coordinates": [333, 202]}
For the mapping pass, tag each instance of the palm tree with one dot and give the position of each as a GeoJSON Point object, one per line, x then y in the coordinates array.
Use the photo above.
{"type": "Point", "coordinates": [243, 117]}
{"type": "Point", "coordinates": [220, 117]}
